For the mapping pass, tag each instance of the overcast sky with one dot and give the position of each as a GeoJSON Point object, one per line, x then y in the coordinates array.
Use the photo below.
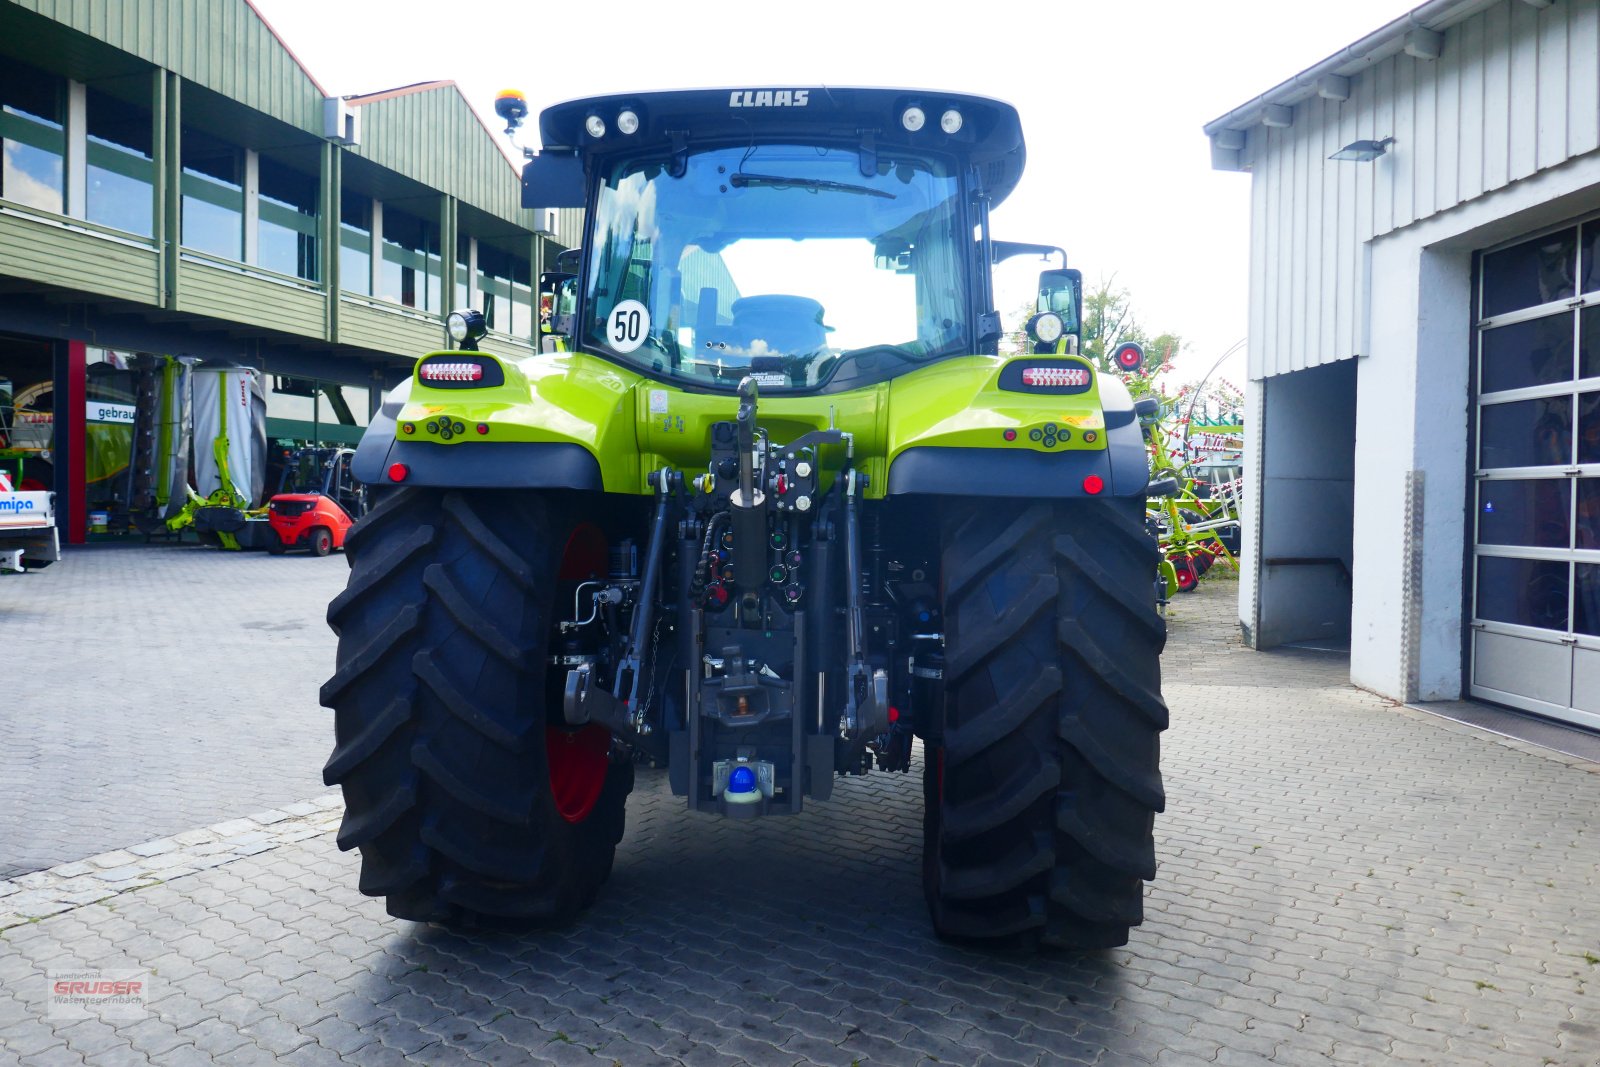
{"type": "Point", "coordinates": [1112, 96]}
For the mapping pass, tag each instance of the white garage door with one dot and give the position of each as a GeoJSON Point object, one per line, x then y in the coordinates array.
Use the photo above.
{"type": "Point", "coordinates": [1536, 559]}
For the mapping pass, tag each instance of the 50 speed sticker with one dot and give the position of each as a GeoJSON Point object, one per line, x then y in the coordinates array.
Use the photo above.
{"type": "Point", "coordinates": [627, 326]}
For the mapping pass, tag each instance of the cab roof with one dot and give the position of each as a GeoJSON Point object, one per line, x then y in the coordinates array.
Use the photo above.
{"type": "Point", "coordinates": [990, 135]}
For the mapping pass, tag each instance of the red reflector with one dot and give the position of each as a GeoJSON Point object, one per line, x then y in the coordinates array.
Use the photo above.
{"type": "Point", "coordinates": [398, 472]}
{"type": "Point", "coordinates": [894, 714]}
{"type": "Point", "coordinates": [483, 427]}
{"type": "Point", "coordinates": [450, 372]}
{"type": "Point", "coordinates": [1051, 377]}
{"type": "Point", "coordinates": [1010, 435]}
{"type": "Point", "coordinates": [1093, 484]}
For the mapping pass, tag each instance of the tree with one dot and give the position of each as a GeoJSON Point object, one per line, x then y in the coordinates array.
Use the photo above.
{"type": "Point", "coordinates": [1108, 321]}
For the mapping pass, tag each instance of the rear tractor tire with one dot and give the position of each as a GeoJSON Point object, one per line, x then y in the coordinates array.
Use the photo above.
{"type": "Point", "coordinates": [1041, 791]}
{"type": "Point", "coordinates": [472, 803]}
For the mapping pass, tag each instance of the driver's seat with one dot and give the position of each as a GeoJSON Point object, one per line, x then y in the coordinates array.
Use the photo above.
{"type": "Point", "coordinates": [785, 324]}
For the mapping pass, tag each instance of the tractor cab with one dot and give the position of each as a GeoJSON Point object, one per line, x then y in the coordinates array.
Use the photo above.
{"type": "Point", "coordinates": [814, 240]}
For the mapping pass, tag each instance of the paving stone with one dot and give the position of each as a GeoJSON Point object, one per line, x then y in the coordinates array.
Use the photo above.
{"type": "Point", "coordinates": [1266, 940]}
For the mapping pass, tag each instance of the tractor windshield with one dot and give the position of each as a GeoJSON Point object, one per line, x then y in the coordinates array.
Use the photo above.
{"type": "Point", "coordinates": [782, 262]}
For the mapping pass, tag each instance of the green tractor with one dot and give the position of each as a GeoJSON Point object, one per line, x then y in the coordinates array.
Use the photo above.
{"type": "Point", "coordinates": [769, 509]}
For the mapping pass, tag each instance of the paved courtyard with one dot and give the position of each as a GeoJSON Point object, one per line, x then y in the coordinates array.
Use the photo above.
{"type": "Point", "coordinates": [155, 689]}
{"type": "Point", "coordinates": [1342, 881]}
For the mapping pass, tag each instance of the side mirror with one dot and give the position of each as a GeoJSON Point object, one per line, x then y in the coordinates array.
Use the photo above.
{"type": "Point", "coordinates": [558, 303]}
{"type": "Point", "coordinates": [1061, 292]}
{"type": "Point", "coordinates": [552, 181]}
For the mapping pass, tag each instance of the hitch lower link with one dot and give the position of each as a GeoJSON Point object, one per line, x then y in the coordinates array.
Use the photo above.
{"type": "Point", "coordinates": [620, 710]}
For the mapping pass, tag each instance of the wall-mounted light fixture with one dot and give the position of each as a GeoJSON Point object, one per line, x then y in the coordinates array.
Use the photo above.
{"type": "Point", "coordinates": [1363, 151]}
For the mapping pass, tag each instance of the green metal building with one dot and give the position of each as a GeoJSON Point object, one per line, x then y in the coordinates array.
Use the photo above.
{"type": "Point", "coordinates": [174, 183]}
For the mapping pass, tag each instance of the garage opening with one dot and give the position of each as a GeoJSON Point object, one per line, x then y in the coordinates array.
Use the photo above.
{"type": "Point", "coordinates": [27, 412]}
{"type": "Point", "coordinates": [1307, 507]}
{"type": "Point", "coordinates": [1535, 607]}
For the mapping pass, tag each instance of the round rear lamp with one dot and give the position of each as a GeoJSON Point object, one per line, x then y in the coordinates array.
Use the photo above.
{"type": "Point", "coordinates": [398, 472]}
{"type": "Point", "coordinates": [1093, 485]}
{"type": "Point", "coordinates": [950, 121]}
{"type": "Point", "coordinates": [595, 126]}
{"type": "Point", "coordinates": [1129, 355]}
{"type": "Point", "coordinates": [627, 122]}
{"type": "Point", "coordinates": [913, 119]}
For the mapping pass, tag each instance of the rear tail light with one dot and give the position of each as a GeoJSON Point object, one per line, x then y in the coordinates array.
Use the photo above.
{"type": "Point", "coordinates": [398, 472]}
{"type": "Point", "coordinates": [450, 372]}
{"type": "Point", "coordinates": [1068, 376]}
{"type": "Point", "coordinates": [1054, 377]}
{"type": "Point", "coordinates": [460, 370]}
{"type": "Point", "coordinates": [1094, 485]}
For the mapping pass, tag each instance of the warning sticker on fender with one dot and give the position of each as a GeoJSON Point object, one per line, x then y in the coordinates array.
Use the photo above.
{"type": "Point", "coordinates": [658, 401]}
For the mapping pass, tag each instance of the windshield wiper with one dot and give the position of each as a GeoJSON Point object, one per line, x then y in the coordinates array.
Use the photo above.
{"type": "Point", "coordinates": [774, 181]}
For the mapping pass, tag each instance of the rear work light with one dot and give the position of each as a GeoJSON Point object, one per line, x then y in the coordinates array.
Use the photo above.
{"type": "Point", "coordinates": [450, 372]}
{"type": "Point", "coordinates": [1054, 377]}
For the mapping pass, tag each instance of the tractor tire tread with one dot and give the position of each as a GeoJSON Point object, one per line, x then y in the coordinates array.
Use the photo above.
{"type": "Point", "coordinates": [1044, 780]}
{"type": "Point", "coordinates": [440, 720]}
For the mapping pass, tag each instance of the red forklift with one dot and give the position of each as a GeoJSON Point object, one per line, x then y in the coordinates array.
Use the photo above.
{"type": "Point", "coordinates": [317, 501]}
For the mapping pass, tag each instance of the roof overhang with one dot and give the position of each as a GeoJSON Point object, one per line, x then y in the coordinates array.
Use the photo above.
{"type": "Point", "coordinates": [1418, 33]}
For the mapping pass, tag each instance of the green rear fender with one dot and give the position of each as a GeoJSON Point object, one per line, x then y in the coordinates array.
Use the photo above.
{"type": "Point", "coordinates": [967, 427]}
{"type": "Point", "coordinates": [555, 421]}
{"type": "Point", "coordinates": [571, 420]}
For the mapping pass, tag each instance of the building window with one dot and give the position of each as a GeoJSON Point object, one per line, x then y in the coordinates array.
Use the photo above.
{"type": "Point", "coordinates": [410, 271]}
{"type": "Point", "coordinates": [108, 435]}
{"type": "Point", "coordinates": [33, 139]}
{"type": "Point", "coordinates": [504, 280]}
{"type": "Point", "coordinates": [355, 244]}
{"type": "Point", "coordinates": [286, 221]}
{"type": "Point", "coordinates": [213, 196]}
{"type": "Point", "coordinates": [494, 283]}
{"type": "Point", "coordinates": [463, 273]}
{"type": "Point", "coordinates": [304, 412]}
{"type": "Point", "coordinates": [121, 191]}
{"type": "Point", "coordinates": [521, 298]}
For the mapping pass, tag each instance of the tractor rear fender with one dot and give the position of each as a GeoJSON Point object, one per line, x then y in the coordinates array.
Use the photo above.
{"type": "Point", "coordinates": [947, 440]}
{"type": "Point", "coordinates": [536, 423]}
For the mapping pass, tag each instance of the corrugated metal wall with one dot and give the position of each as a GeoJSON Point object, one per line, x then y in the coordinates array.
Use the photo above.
{"type": "Point", "coordinates": [220, 44]}
{"type": "Point", "coordinates": [433, 137]}
{"type": "Point", "coordinates": [1516, 90]}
